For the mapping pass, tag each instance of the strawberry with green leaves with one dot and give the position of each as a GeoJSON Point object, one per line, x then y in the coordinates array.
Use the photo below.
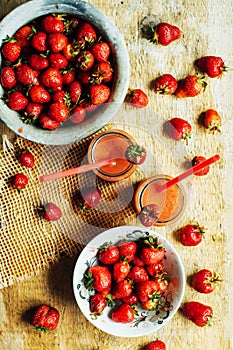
{"type": "Point", "coordinates": [85, 60]}
{"type": "Point", "coordinates": [108, 254]}
{"type": "Point", "coordinates": [89, 197]}
{"type": "Point", "coordinates": [179, 129]}
{"type": "Point", "coordinates": [191, 235]}
{"type": "Point", "coordinates": [50, 212]}
{"type": "Point", "coordinates": [152, 252]}
{"type": "Point", "coordinates": [213, 66]}
{"type": "Point", "coordinates": [53, 24]}
{"type": "Point", "coordinates": [212, 121]}
{"type": "Point", "coordinates": [198, 313]}
{"type": "Point", "coordinates": [127, 250]}
{"type": "Point", "coordinates": [11, 49]}
{"type": "Point", "coordinates": [45, 318]}
{"type": "Point", "coordinates": [190, 86]}
{"type": "Point", "coordinates": [165, 84]}
{"type": "Point", "coordinates": [98, 278]}
{"type": "Point", "coordinates": [165, 33]}
{"type": "Point", "coordinates": [205, 281]}
{"type": "Point", "coordinates": [97, 304]}
{"type": "Point", "coordinates": [137, 98]}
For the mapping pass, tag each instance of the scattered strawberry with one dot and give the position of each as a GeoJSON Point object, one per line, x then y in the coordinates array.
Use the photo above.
{"type": "Point", "coordinates": [136, 154]}
{"type": "Point", "coordinates": [89, 197]}
{"type": "Point", "coordinates": [26, 159]}
{"type": "Point", "coordinates": [97, 304]}
{"type": "Point", "coordinates": [58, 112]}
{"type": "Point", "coordinates": [26, 75]}
{"type": "Point", "coordinates": [191, 235]}
{"type": "Point", "coordinates": [123, 313]}
{"type": "Point", "coordinates": [57, 60]}
{"type": "Point", "coordinates": [122, 289]}
{"type": "Point", "coordinates": [38, 62]}
{"type": "Point", "coordinates": [197, 160]}
{"type": "Point", "coordinates": [45, 318]}
{"type": "Point", "coordinates": [127, 250]}
{"type": "Point", "coordinates": [179, 129]}
{"type": "Point", "coordinates": [52, 79]}
{"type": "Point", "coordinates": [120, 270]}
{"type": "Point", "coordinates": [198, 313]}
{"type": "Point", "coordinates": [101, 51]}
{"type": "Point", "coordinates": [48, 123]}
{"type": "Point", "coordinates": [78, 115]}
{"type": "Point", "coordinates": [98, 278]}
{"type": "Point", "coordinates": [85, 60]}
{"type": "Point", "coordinates": [165, 33]}
{"type": "Point", "coordinates": [39, 41]}
{"type": "Point", "coordinates": [108, 254]}
{"type": "Point", "coordinates": [57, 42]}
{"type": "Point", "coordinates": [19, 181]}
{"type": "Point", "coordinates": [8, 79]}
{"type": "Point", "coordinates": [213, 66]}
{"type": "Point", "coordinates": [86, 34]}
{"type": "Point", "coordinates": [137, 98]}
{"type": "Point", "coordinates": [50, 212]}
{"type": "Point", "coordinates": [212, 120]}
{"type": "Point", "coordinates": [190, 86]}
{"type": "Point", "coordinates": [11, 50]}
{"type": "Point", "coordinates": [149, 215]}
{"type": "Point", "coordinates": [38, 94]}
{"type": "Point", "coordinates": [17, 101]}
{"type": "Point", "coordinates": [165, 84]}
{"type": "Point", "coordinates": [23, 34]}
{"type": "Point", "coordinates": [156, 345]}
{"type": "Point", "coordinates": [205, 281]}
{"type": "Point", "coordinates": [53, 24]}
{"type": "Point", "coordinates": [99, 93]}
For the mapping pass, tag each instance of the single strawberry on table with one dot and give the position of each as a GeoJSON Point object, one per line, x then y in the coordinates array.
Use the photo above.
{"type": "Point", "coordinates": [89, 197]}
{"type": "Point", "coordinates": [190, 86]}
{"type": "Point", "coordinates": [213, 66]}
{"type": "Point", "coordinates": [191, 235]}
{"type": "Point", "coordinates": [179, 129]}
{"type": "Point", "coordinates": [198, 313]}
{"type": "Point", "coordinates": [19, 181]}
{"type": "Point", "coordinates": [137, 98]}
{"type": "Point", "coordinates": [135, 154]}
{"type": "Point", "coordinates": [165, 84]}
{"type": "Point", "coordinates": [149, 215]}
{"type": "Point", "coordinates": [212, 121]}
{"type": "Point", "coordinates": [205, 281]}
{"type": "Point", "coordinates": [45, 318]}
{"type": "Point", "coordinates": [123, 313]}
{"type": "Point", "coordinates": [164, 34]}
{"type": "Point", "coordinates": [156, 345]}
{"type": "Point", "coordinates": [197, 160]}
{"type": "Point", "coordinates": [26, 158]}
{"type": "Point", "coordinates": [50, 212]}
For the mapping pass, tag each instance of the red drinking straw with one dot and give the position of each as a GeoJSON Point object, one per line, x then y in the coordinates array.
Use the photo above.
{"type": "Point", "coordinates": [188, 173]}
{"type": "Point", "coordinates": [79, 170]}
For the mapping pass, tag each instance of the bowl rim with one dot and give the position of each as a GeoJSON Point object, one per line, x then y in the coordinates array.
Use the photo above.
{"type": "Point", "coordinates": [36, 8]}
{"type": "Point", "coordinates": [92, 246]}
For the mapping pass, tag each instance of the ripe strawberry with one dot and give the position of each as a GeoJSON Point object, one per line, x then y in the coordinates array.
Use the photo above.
{"type": "Point", "coordinates": [99, 278]}
{"type": "Point", "coordinates": [26, 159]}
{"type": "Point", "coordinates": [156, 345]}
{"type": "Point", "coordinates": [71, 51]}
{"type": "Point", "coordinates": [57, 41]}
{"type": "Point", "coordinates": [137, 261]}
{"type": "Point", "coordinates": [120, 270]}
{"type": "Point", "coordinates": [132, 299]}
{"type": "Point", "coordinates": [101, 51]}
{"type": "Point", "coordinates": [84, 77]}
{"type": "Point", "coordinates": [88, 106]}
{"type": "Point", "coordinates": [39, 41]}
{"type": "Point", "coordinates": [89, 197]}
{"type": "Point", "coordinates": [138, 274]}
{"type": "Point", "coordinates": [19, 181]}
{"type": "Point", "coordinates": [68, 76]}
{"type": "Point", "coordinates": [48, 123]}
{"type": "Point", "coordinates": [86, 34]}
{"type": "Point", "coordinates": [152, 252]}
{"type": "Point", "coordinates": [135, 154]}
{"type": "Point", "coordinates": [11, 49]}
{"type": "Point", "coordinates": [179, 129]}
{"type": "Point", "coordinates": [97, 304]}
{"type": "Point", "coordinates": [197, 160]}
{"type": "Point", "coordinates": [52, 79]}
{"type": "Point", "coordinates": [38, 62]}
{"type": "Point", "coordinates": [78, 115]}
{"type": "Point", "coordinates": [147, 291]}
{"type": "Point", "coordinates": [17, 101]}
{"type": "Point", "coordinates": [190, 86]}
{"type": "Point", "coordinates": [23, 34]}
{"type": "Point", "coordinates": [149, 215]}
{"type": "Point", "coordinates": [191, 235]}
{"type": "Point", "coordinates": [32, 112]}
{"type": "Point", "coordinates": [45, 318]}
{"type": "Point", "coordinates": [137, 98]}
{"type": "Point", "coordinates": [8, 79]}
{"type": "Point", "coordinates": [85, 60]}
{"type": "Point", "coordinates": [213, 66]}
{"type": "Point", "coordinates": [75, 90]}
{"type": "Point", "coordinates": [102, 73]}
{"type": "Point", "coordinates": [165, 84]}
{"type": "Point", "coordinates": [108, 254]}
{"type": "Point", "coordinates": [58, 112]}
{"type": "Point", "coordinates": [198, 313]}
{"type": "Point", "coordinates": [123, 313]}
{"type": "Point", "coordinates": [39, 94]}
{"type": "Point", "coordinates": [165, 33]}
{"type": "Point", "coordinates": [99, 94]}
{"type": "Point", "coordinates": [26, 75]}
{"type": "Point", "coordinates": [127, 250]}
{"type": "Point", "coordinates": [53, 24]}
{"type": "Point", "coordinates": [50, 212]}
{"type": "Point", "coordinates": [155, 270]}
{"type": "Point", "coordinates": [205, 281]}
{"type": "Point", "coordinates": [57, 60]}
{"type": "Point", "coordinates": [212, 120]}
{"type": "Point", "coordinates": [122, 289]}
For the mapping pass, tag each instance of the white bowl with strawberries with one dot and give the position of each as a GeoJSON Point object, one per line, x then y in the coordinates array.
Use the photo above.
{"type": "Point", "coordinates": [64, 70]}
{"type": "Point", "coordinates": [129, 281]}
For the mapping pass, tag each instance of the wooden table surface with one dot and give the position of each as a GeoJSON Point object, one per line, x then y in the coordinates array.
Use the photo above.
{"type": "Point", "coordinates": [207, 27]}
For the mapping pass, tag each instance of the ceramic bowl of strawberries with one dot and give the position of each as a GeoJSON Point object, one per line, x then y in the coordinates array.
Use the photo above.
{"type": "Point", "coordinates": [64, 70]}
{"type": "Point", "coordinates": [129, 281]}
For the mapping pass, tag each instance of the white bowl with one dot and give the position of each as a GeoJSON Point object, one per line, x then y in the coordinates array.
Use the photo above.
{"type": "Point", "coordinates": [146, 321]}
{"type": "Point", "coordinates": [66, 135]}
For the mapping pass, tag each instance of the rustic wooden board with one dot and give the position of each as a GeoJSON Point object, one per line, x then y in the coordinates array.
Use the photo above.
{"type": "Point", "coordinates": [207, 29]}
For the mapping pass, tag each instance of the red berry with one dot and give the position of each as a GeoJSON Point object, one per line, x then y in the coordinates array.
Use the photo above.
{"type": "Point", "coordinates": [191, 235]}
{"type": "Point", "coordinates": [137, 98]}
{"type": "Point", "coordinates": [39, 41]}
{"type": "Point", "coordinates": [53, 24]}
{"type": "Point", "coordinates": [45, 318]}
{"type": "Point", "coordinates": [11, 50]}
{"type": "Point", "coordinates": [8, 79]}
{"type": "Point", "coordinates": [39, 94]}
{"type": "Point", "coordinates": [19, 181]}
{"type": "Point", "coordinates": [51, 212]}
{"type": "Point", "coordinates": [26, 159]}
{"type": "Point", "coordinates": [17, 101]}
{"type": "Point", "coordinates": [58, 112]}
{"type": "Point", "coordinates": [48, 123]}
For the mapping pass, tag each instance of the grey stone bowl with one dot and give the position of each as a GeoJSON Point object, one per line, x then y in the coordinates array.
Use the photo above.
{"type": "Point", "coordinates": [70, 134]}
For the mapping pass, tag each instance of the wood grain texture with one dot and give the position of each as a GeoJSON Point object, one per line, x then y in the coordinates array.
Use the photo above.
{"type": "Point", "coordinates": [207, 27]}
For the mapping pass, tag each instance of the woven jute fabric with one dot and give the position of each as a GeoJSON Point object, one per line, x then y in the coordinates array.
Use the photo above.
{"type": "Point", "coordinates": [28, 243]}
